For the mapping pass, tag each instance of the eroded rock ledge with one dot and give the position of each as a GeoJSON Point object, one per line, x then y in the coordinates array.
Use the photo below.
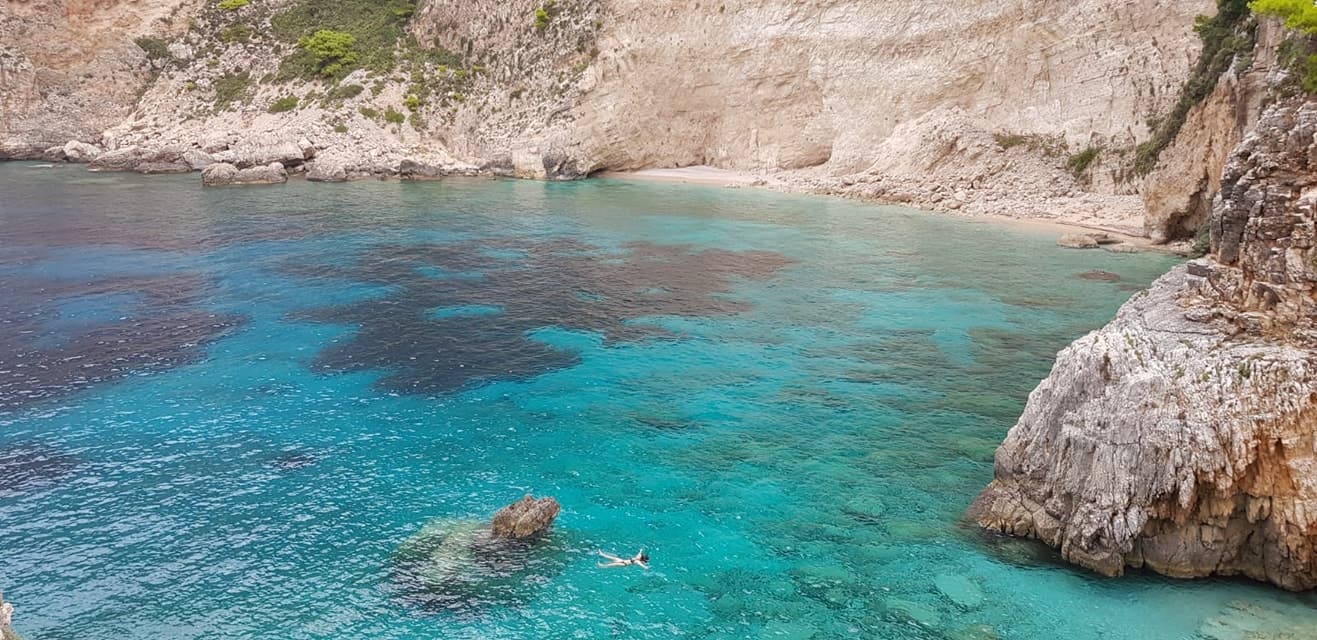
{"type": "Point", "coordinates": [1181, 436]}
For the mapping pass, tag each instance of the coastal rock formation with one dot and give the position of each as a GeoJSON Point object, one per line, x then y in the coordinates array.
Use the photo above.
{"type": "Point", "coordinates": [1077, 241]}
{"type": "Point", "coordinates": [457, 563]}
{"type": "Point", "coordinates": [1182, 437]}
{"type": "Point", "coordinates": [781, 88]}
{"type": "Point", "coordinates": [524, 518]}
{"type": "Point", "coordinates": [6, 619]}
{"type": "Point", "coordinates": [224, 174]}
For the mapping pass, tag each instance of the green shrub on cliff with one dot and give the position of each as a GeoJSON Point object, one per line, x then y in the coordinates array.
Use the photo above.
{"type": "Point", "coordinates": [286, 103]}
{"type": "Point", "coordinates": [394, 116]}
{"type": "Point", "coordinates": [1300, 15]}
{"type": "Point", "coordinates": [232, 5]}
{"type": "Point", "coordinates": [155, 48]}
{"type": "Point", "coordinates": [1229, 33]}
{"type": "Point", "coordinates": [1080, 162]}
{"type": "Point", "coordinates": [237, 32]}
{"type": "Point", "coordinates": [332, 51]}
{"type": "Point", "coordinates": [1296, 53]}
{"type": "Point", "coordinates": [375, 25]}
{"type": "Point", "coordinates": [231, 88]}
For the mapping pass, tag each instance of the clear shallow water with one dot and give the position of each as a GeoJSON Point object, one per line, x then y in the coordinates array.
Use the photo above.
{"type": "Point", "coordinates": [221, 411]}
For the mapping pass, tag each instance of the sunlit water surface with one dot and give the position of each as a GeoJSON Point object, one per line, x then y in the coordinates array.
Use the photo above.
{"type": "Point", "coordinates": [223, 410]}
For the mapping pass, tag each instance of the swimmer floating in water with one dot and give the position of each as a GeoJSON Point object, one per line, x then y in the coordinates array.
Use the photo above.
{"type": "Point", "coordinates": [641, 559]}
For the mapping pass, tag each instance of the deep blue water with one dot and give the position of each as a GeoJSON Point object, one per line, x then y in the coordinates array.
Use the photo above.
{"type": "Point", "coordinates": [222, 411]}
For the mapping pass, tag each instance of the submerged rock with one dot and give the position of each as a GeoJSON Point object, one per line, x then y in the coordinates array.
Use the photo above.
{"type": "Point", "coordinates": [959, 589]}
{"type": "Point", "coordinates": [460, 564]}
{"type": "Point", "coordinates": [525, 518]}
{"type": "Point", "coordinates": [1099, 275]}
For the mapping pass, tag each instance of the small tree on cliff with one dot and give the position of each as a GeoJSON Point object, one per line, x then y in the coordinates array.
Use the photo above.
{"type": "Point", "coordinates": [334, 51]}
{"type": "Point", "coordinates": [1300, 15]}
{"type": "Point", "coordinates": [1296, 53]}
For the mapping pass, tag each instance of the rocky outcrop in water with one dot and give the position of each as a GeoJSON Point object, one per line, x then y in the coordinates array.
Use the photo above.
{"type": "Point", "coordinates": [525, 518]}
{"type": "Point", "coordinates": [458, 564]}
{"type": "Point", "coordinates": [1182, 437]}
{"type": "Point", "coordinates": [6, 619]}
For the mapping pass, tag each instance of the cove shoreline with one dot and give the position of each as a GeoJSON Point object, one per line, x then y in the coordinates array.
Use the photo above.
{"type": "Point", "coordinates": [733, 179]}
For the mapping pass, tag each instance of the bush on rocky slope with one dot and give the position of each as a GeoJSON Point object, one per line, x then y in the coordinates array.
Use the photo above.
{"type": "Point", "coordinates": [376, 27]}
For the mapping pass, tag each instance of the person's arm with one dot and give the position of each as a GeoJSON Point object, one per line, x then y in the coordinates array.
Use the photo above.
{"type": "Point", "coordinates": [643, 565]}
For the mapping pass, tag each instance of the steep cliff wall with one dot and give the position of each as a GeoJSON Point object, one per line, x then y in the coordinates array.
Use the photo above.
{"type": "Point", "coordinates": [1183, 436]}
{"type": "Point", "coordinates": [69, 68]}
{"type": "Point", "coordinates": [766, 84]}
{"type": "Point", "coordinates": [899, 101]}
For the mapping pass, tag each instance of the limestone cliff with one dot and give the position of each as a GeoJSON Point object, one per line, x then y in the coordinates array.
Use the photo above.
{"type": "Point", "coordinates": [69, 69]}
{"type": "Point", "coordinates": [1182, 436]}
{"type": "Point", "coordinates": [898, 101]}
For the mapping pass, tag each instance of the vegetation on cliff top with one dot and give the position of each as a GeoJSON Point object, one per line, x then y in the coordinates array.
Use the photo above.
{"type": "Point", "coordinates": [1296, 54]}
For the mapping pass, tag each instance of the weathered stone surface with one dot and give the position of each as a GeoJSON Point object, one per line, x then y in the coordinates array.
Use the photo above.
{"type": "Point", "coordinates": [125, 159]}
{"type": "Point", "coordinates": [129, 158]}
{"type": "Point", "coordinates": [152, 168]}
{"type": "Point", "coordinates": [413, 169]}
{"type": "Point", "coordinates": [219, 174]}
{"type": "Point", "coordinates": [252, 153]}
{"type": "Point", "coordinates": [198, 159]}
{"type": "Point", "coordinates": [1077, 241]}
{"type": "Point", "coordinates": [1182, 437]}
{"type": "Point", "coordinates": [78, 151]}
{"type": "Point", "coordinates": [1169, 444]}
{"type": "Point", "coordinates": [525, 518]}
{"type": "Point", "coordinates": [223, 174]}
{"type": "Point", "coordinates": [328, 168]}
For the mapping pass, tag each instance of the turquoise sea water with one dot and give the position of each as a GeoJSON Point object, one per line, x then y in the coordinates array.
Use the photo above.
{"type": "Point", "coordinates": [221, 411]}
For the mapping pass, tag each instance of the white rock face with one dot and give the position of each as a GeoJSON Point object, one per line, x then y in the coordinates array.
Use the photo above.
{"type": "Point", "coordinates": [1182, 436]}
{"type": "Point", "coordinates": [776, 84]}
{"type": "Point", "coordinates": [1166, 443]}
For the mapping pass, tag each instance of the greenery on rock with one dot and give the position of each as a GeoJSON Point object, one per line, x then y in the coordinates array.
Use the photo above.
{"type": "Point", "coordinates": [1300, 15]}
{"type": "Point", "coordinates": [237, 32]}
{"type": "Point", "coordinates": [1296, 53]}
{"type": "Point", "coordinates": [375, 26]}
{"type": "Point", "coordinates": [331, 51]}
{"type": "Point", "coordinates": [393, 116]}
{"type": "Point", "coordinates": [344, 92]}
{"type": "Point", "coordinates": [232, 5]}
{"type": "Point", "coordinates": [232, 88]}
{"type": "Point", "coordinates": [1047, 145]}
{"type": "Point", "coordinates": [1080, 162]}
{"type": "Point", "coordinates": [155, 48]}
{"type": "Point", "coordinates": [1229, 33]}
{"type": "Point", "coordinates": [286, 103]}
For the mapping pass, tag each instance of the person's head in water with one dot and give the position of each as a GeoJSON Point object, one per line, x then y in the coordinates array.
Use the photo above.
{"type": "Point", "coordinates": [642, 556]}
